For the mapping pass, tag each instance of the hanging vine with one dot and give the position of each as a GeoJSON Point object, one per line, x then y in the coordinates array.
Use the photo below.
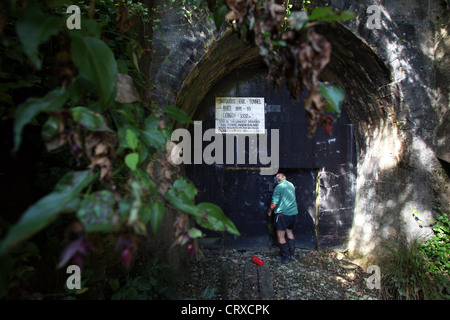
{"type": "Point", "coordinates": [293, 51]}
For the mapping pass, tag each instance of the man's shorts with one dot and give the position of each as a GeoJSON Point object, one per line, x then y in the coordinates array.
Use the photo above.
{"type": "Point", "coordinates": [283, 222]}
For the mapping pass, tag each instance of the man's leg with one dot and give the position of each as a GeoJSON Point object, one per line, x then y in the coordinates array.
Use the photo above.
{"type": "Point", "coordinates": [284, 248]}
{"type": "Point", "coordinates": [290, 234]}
{"type": "Point", "coordinates": [281, 235]}
{"type": "Point", "coordinates": [291, 243]}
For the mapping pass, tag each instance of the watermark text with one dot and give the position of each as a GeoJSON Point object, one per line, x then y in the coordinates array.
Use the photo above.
{"type": "Point", "coordinates": [74, 280]}
{"type": "Point", "coordinates": [213, 153]}
{"type": "Point", "coordinates": [374, 281]}
{"type": "Point", "coordinates": [374, 20]}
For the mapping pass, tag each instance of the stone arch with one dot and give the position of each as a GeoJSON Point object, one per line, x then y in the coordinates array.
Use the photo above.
{"type": "Point", "coordinates": [373, 104]}
{"type": "Point", "coordinates": [372, 97]}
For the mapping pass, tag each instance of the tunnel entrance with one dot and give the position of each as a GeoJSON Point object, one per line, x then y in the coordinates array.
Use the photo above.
{"type": "Point", "coordinates": [357, 173]}
{"type": "Point", "coordinates": [244, 193]}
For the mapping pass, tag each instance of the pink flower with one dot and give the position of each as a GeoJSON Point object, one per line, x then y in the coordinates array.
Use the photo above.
{"type": "Point", "coordinates": [191, 249]}
{"type": "Point", "coordinates": [129, 247]}
{"type": "Point", "coordinates": [75, 250]}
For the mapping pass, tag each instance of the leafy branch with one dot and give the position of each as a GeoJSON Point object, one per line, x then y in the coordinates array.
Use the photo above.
{"type": "Point", "coordinates": [97, 115]}
{"type": "Point", "coordinates": [290, 47]}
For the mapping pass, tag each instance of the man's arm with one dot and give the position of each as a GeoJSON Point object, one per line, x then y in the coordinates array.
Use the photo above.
{"type": "Point", "coordinates": [275, 199]}
{"type": "Point", "coordinates": [272, 207]}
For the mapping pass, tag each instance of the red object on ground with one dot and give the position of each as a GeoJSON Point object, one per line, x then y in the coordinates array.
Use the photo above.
{"type": "Point", "coordinates": [258, 261]}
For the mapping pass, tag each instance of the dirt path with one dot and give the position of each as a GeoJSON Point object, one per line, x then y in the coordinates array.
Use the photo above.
{"type": "Point", "coordinates": [231, 275]}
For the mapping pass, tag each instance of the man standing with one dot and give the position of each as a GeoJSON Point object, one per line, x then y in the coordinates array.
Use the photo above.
{"type": "Point", "coordinates": [284, 205]}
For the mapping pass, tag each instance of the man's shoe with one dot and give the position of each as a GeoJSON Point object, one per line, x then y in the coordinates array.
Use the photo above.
{"type": "Point", "coordinates": [291, 244]}
{"type": "Point", "coordinates": [284, 258]}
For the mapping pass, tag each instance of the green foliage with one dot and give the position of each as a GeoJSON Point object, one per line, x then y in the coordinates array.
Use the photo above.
{"type": "Point", "coordinates": [44, 211]}
{"type": "Point", "coordinates": [407, 273]}
{"type": "Point", "coordinates": [132, 160]}
{"type": "Point", "coordinates": [329, 14]}
{"type": "Point", "coordinates": [34, 27]}
{"type": "Point", "coordinates": [153, 281]}
{"type": "Point", "coordinates": [95, 62]}
{"type": "Point", "coordinates": [208, 215]}
{"type": "Point", "coordinates": [104, 135]}
{"type": "Point", "coordinates": [285, 40]}
{"type": "Point", "coordinates": [26, 112]}
{"type": "Point", "coordinates": [177, 114]}
{"type": "Point", "coordinates": [209, 293]}
{"type": "Point", "coordinates": [18, 268]}
{"type": "Point", "coordinates": [152, 135]}
{"type": "Point", "coordinates": [96, 211]}
{"type": "Point", "coordinates": [334, 95]}
{"type": "Point", "coordinates": [89, 119]}
{"type": "Point", "coordinates": [157, 213]}
{"type": "Point", "coordinates": [405, 277]}
{"type": "Point", "coordinates": [213, 218]}
{"type": "Point", "coordinates": [437, 248]}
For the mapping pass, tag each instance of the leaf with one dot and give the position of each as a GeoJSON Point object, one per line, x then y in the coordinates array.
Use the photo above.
{"type": "Point", "coordinates": [181, 196]}
{"type": "Point", "coordinates": [52, 101]}
{"type": "Point", "coordinates": [50, 133]}
{"type": "Point", "coordinates": [153, 138]}
{"type": "Point", "coordinates": [208, 215]}
{"type": "Point", "coordinates": [91, 120]}
{"type": "Point", "coordinates": [194, 233]}
{"type": "Point", "coordinates": [219, 15]}
{"type": "Point", "coordinates": [81, 291]}
{"type": "Point", "coordinates": [334, 95]}
{"type": "Point", "coordinates": [132, 160]}
{"type": "Point", "coordinates": [131, 139]}
{"type": "Point", "coordinates": [69, 251]}
{"type": "Point", "coordinates": [145, 215]}
{"type": "Point", "coordinates": [320, 13]}
{"type": "Point", "coordinates": [186, 188]}
{"type": "Point", "coordinates": [77, 89]}
{"type": "Point", "coordinates": [46, 209]}
{"type": "Point", "coordinates": [178, 203]}
{"type": "Point", "coordinates": [95, 61]}
{"type": "Point", "coordinates": [145, 181]}
{"type": "Point", "coordinates": [34, 27]}
{"type": "Point", "coordinates": [97, 211]}
{"type": "Point", "coordinates": [215, 219]}
{"type": "Point", "coordinates": [297, 20]}
{"type": "Point", "coordinates": [157, 213]}
{"type": "Point", "coordinates": [93, 27]}
{"type": "Point", "coordinates": [347, 15]}
{"type": "Point", "coordinates": [177, 114]}
{"type": "Point", "coordinates": [124, 208]}
{"type": "Point", "coordinates": [329, 14]}
{"type": "Point", "coordinates": [152, 135]}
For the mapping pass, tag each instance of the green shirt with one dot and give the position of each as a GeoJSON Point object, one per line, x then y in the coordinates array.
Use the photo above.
{"type": "Point", "coordinates": [284, 197]}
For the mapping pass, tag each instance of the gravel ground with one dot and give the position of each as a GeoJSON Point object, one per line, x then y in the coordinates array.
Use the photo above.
{"type": "Point", "coordinates": [231, 275]}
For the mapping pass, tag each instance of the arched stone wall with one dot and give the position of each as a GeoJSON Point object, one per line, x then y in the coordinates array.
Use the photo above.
{"type": "Point", "coordinates": [372, 103]}
{"type": "Point", "coordinates": [389, 98]}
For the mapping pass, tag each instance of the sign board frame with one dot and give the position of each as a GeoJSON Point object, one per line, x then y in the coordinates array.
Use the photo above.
{"type": "Point", "coordinates": [240, 115]}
